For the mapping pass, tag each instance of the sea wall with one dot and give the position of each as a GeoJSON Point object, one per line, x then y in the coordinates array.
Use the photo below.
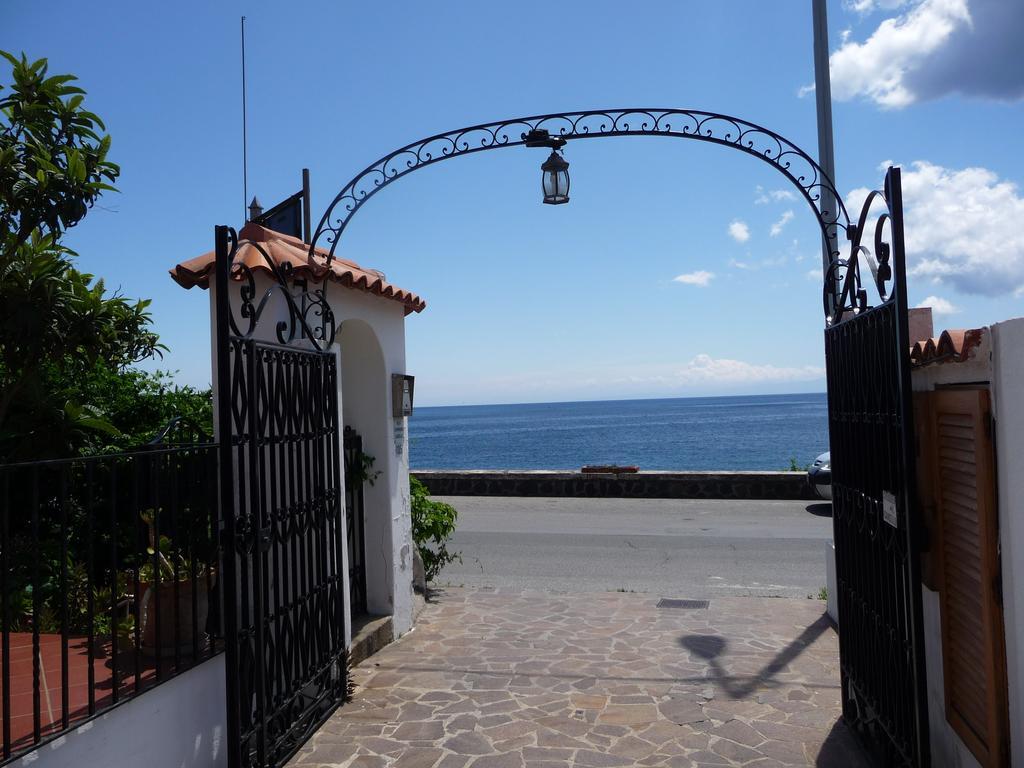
{"type": "Point", "coordinates": [638, 485]}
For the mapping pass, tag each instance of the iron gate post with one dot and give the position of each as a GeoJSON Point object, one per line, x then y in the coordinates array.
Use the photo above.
{"type": "Point", "coordinates": [228, 581]}
{"type": "Point", "coordinates": [913, 530]}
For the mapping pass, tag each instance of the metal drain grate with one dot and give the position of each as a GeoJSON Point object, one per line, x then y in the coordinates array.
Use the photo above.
{"type": "Point", "coordinates": [667, 602]}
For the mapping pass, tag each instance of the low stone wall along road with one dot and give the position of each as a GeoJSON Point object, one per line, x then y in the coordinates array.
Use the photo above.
{"type": "Point", "coordinates": [671, 547]}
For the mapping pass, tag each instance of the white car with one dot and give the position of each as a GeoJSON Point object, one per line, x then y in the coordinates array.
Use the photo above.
{"type": "Point", "coordinates": [819, 476]}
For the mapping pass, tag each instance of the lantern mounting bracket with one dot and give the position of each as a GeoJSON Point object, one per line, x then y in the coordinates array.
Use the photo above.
{"type": "Point", "coordinates": [541, 137]}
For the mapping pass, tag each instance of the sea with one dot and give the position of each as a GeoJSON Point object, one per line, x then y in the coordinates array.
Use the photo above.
{"type": "Point", "coordinates": [755, 432]}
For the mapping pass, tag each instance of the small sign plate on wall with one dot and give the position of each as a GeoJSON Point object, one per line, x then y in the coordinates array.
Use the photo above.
{"type": "Point", "coordinates": [889, 509]}
{"type": "Point", "coordinates": [399, 436]}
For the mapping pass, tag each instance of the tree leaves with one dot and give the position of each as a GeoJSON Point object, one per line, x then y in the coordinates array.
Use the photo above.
{"type": "Point", "coordinates": [53, 163]}
{"type": "Point", "coordinates": [56, 324]}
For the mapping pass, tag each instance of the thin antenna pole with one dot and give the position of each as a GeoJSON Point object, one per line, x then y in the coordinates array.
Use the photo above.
{"type": "Point", "coordinates": [245, 151]}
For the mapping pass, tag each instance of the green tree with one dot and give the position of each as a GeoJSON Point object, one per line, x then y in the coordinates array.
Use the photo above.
{"type": "Point", "coordinates": [56, 323]}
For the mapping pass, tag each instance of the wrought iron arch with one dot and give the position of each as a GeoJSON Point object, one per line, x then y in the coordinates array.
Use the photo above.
{"type": "Point", "coordinates": [842, 291]}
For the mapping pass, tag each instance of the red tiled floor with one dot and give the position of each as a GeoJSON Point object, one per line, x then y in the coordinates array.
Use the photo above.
{"type": "Point", "coordinates": [21, 693]}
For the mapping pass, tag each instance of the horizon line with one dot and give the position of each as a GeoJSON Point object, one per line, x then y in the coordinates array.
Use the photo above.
{"type": "Point", "coordinates": [624, 400]}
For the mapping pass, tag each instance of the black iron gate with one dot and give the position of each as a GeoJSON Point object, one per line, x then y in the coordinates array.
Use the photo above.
{"type": "Point", "coordinates": [284, 617]}
{"type": "Point", "coordinates": [877, 530]}
{"type": "Point", "coordinates": [355, 477]}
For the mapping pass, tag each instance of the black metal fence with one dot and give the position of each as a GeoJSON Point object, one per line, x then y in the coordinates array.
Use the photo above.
{"type": "Point", "coordinates": [108, 583]}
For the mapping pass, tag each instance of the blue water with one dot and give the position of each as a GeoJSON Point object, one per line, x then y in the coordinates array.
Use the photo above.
{"type": "Point", "coordinates": [698, 433]}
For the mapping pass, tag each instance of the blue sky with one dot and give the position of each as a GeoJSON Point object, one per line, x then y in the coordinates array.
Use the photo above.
{"type": "Point", "coordinates": [530, 302]}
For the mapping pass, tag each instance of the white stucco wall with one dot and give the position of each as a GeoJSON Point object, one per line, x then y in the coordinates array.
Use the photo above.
{"type": "Point", "coordinates": [178, 724]}
{"type": "Point", "coordinates": [1008, 409]}
{"type": "Point", "coordinates": [371, 339]}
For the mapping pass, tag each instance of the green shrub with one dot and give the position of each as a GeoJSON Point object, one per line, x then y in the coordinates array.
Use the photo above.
{"type": "Point", "coordinates": [433, 523]}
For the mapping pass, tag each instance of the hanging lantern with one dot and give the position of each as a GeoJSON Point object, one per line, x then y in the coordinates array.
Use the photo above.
{"type": "Point", "coordinates": [555, 179]}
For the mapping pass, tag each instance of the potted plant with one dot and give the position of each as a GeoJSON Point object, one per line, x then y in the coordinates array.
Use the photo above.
{"type": "Point", "coordinates": [182, 607]}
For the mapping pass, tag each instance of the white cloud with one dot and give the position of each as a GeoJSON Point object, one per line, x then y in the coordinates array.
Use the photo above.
{"type": "Point", "coordinates": [701, 374]}
{"type": "Point", "coordinates": [739, 231]}
{"type": "Point", "coordinates": [931, 49]}
{"type": "Point", "coordinates": [962, 228]}
{"type": "Point", "coordinates": [772, 195]}
{"type": "Point", "coordinates": [878, 67]}
{"type": "Point", "coordinates": [701, 277]}
{"type": "Point", "coordinates": [869, 6]}
{"type": "Point", "coordinates": [777, 227]}
{"type": "Point", "coordinates": [815, 274]}
{"type": "Point", "coordinates": [704, 368]}
{"type": "Point", "coordinates": [940, 306]}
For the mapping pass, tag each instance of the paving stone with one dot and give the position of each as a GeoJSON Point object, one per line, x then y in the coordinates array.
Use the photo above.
{"type": "Point", "coordinates": [333, 753]}
{"type": "Point", "coordinates": [597, 759]}
{"type": "Point", "coordinates": [738, 731]}
{"type": "Point", "coordinates": [682, 711]}
{"type": "Point", "coordinates": [510, 760]}
{"type": "Point", "coordinates": [510, 679]}
{"type": "Point", "coordinates": [515, 744]}
{"type": "Point", "coordinates": [418, 758]}
{"type": "Point", "coordinates": [628, 714]}
{"type": "Point", "coordinates": [462, 723]}
{"type": "Point", "coordinates": [430, 730]}
{"type": "Point", "coordinates": [733, 751]}
{"type": "Point", "coordinates": [469, 744]}
{"type": "Point", "coordinates": [381, 746]}
{"type": "Point", "coordinates": [707, 758]}
{"type": "Point", "coordinates": [588, 701]}
{"type": "Point", "coordinates": [415, 712]}
{"type": "Point", "coordinates": [632, 747]}
{"type": "Point", "coordinates": [368, 761]}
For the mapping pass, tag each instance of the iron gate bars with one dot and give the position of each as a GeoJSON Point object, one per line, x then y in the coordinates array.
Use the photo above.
{"type": "Point", "coordinates": [355, 500]}
{"type": "Point", "coordinates": [107, 582]}
{"type": "Point", "coordinates": [281, 514]}
{"type": "Point", "coordinates": [760, 142]}
{"type": "Point", "coordinates": [875, 515]}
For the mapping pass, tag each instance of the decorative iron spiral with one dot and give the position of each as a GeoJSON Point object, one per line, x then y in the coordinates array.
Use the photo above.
{"type": "Point", "coordinates": [310, 317]}
{"type": "Point", "coordinates": [846, 274]}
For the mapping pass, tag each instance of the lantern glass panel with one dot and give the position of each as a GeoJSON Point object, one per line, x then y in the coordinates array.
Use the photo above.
{"type": "Point", "coordinates": [555, 180]}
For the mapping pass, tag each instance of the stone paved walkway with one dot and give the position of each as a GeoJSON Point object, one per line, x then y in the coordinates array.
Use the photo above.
{"type": "Point", "coordinates": [493, 679]}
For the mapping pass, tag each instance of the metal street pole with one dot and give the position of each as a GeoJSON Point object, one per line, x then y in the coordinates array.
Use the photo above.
{"type": "Point", "coordinates": [826, 155]}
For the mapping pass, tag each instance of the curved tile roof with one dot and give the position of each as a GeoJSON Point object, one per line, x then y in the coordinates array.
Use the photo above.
{"type": "Point", "coordinates": [285, 249]}
{"type": "Point", "coordinates": [953, 346]}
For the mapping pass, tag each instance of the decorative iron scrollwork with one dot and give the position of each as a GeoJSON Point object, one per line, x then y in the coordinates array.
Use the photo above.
{"type": "Point", "coordinates": [309, 315]}
{"type": "Point", "coordinates": [842, 284]}
{"type": "Point", "coordinates": [768, 146]}
{"type": "Point", "coordinates": [886, 228]}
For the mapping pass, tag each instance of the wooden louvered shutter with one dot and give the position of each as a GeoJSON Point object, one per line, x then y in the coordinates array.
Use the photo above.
{"type": "Point", "coordinates": [973, 643]}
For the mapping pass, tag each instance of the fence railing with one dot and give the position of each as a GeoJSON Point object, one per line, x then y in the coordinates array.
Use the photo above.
{"type": "Point", "coordinates": [108, 583]}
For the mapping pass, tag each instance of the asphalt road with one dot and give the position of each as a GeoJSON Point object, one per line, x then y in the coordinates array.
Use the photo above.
{"type": "Point", "coordinates": [676, 548]}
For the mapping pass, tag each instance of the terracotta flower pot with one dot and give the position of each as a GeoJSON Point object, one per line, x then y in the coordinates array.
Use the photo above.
{"type": "Point", "coordinates": [162, 601]}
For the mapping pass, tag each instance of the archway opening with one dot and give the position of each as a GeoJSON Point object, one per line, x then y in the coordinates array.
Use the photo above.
{"type": "Point", "coordinates": [364, 410]}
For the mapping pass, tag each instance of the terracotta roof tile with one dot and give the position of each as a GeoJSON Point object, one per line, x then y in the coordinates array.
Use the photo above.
{"type": "Point", "coordinates": [953, 346]}
{"type": "Point", "coordinates": [284, 249]}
